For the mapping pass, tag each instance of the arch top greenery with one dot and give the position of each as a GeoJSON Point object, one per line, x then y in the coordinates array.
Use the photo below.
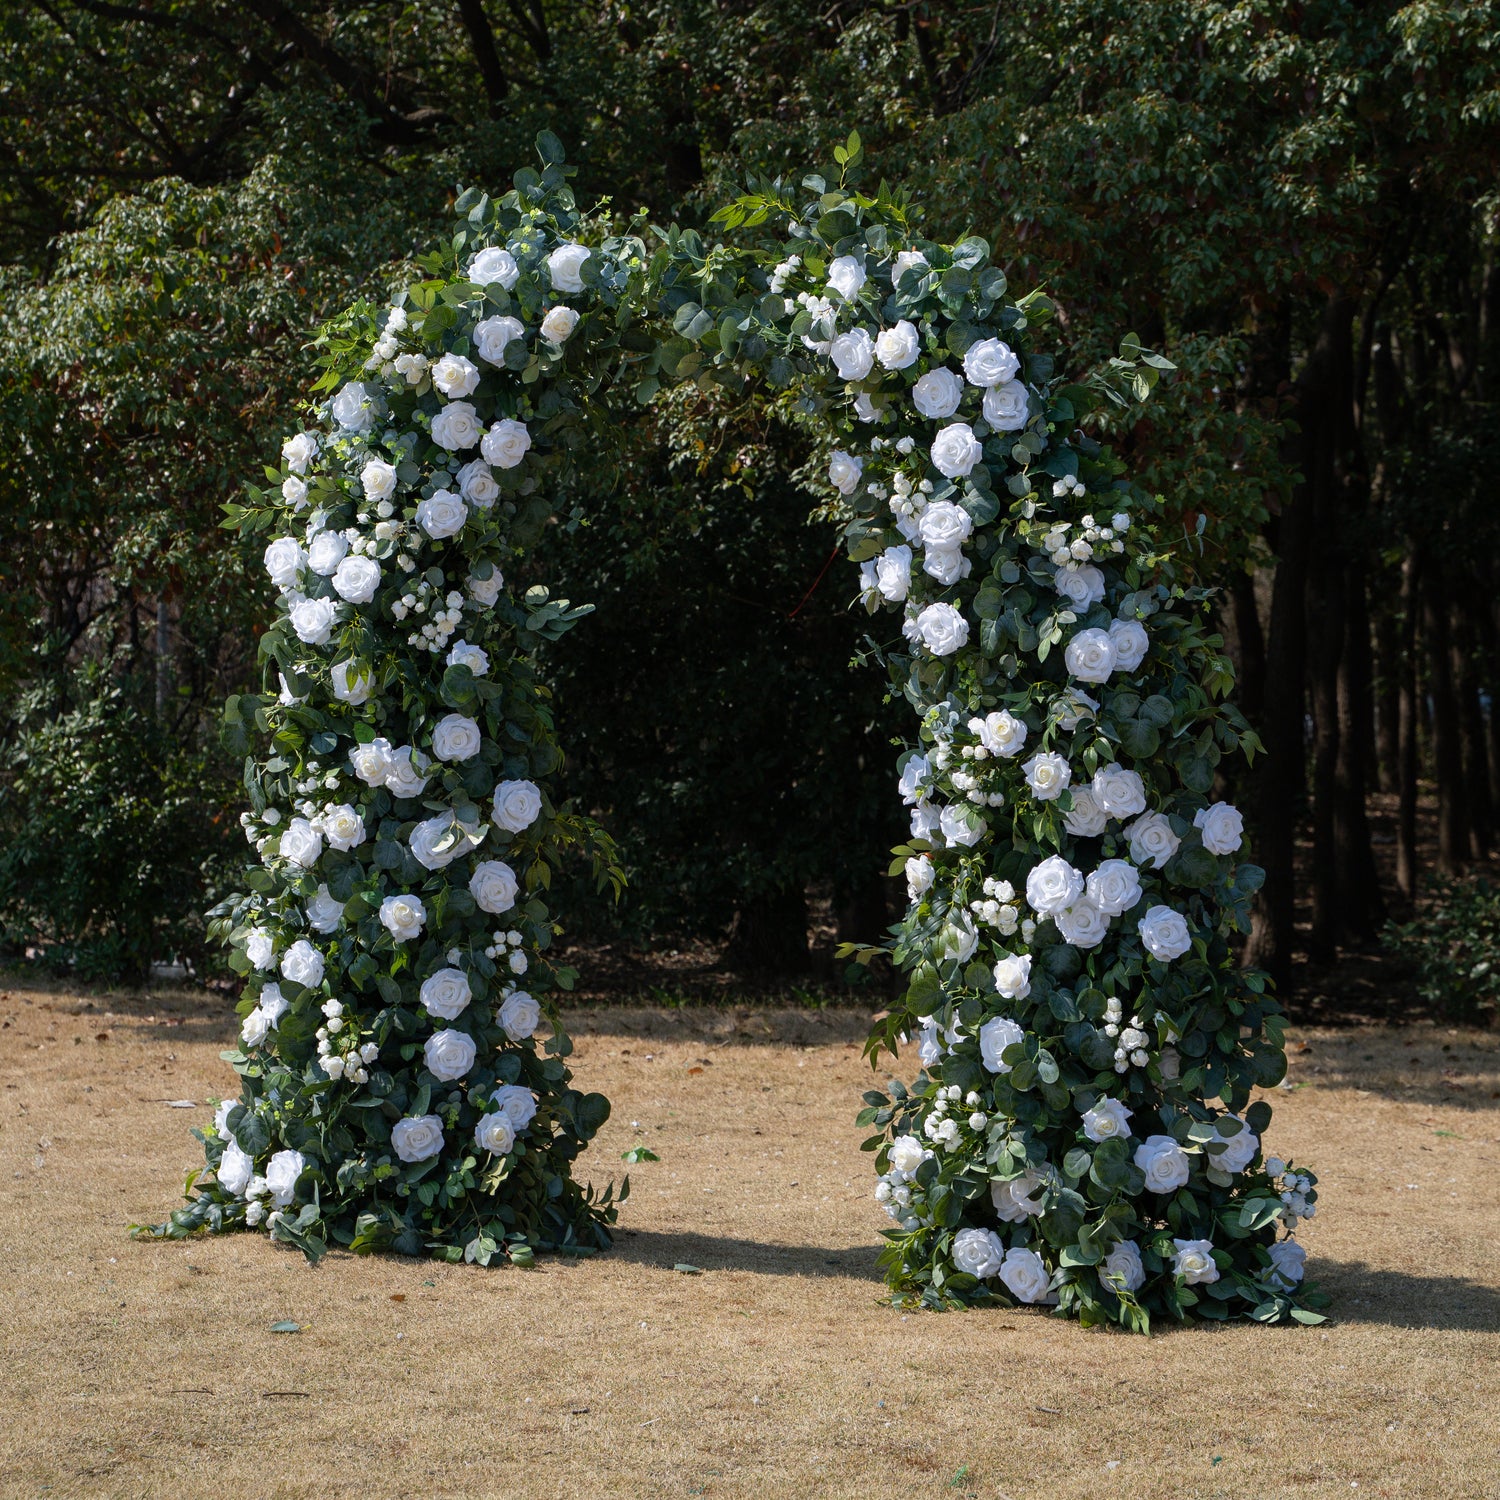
{"type": "Point", "coordinates": [1083, 1132]}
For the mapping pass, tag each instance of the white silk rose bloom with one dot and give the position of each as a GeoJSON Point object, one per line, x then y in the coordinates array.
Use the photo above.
{"type": "Point", "coordinates": [944, 524]}
{"type": "Point", "coordinates": [517, 1104]}
{"type": "Point", "coordinates": [476, 483]}
{"type": "Point", "coordinates": [282, 1172]}
{"type": "Point", "coordinates": [496, 1134]}
{"type": "Point", "coordinates": [1239, 1149]}
{"type": "Point", "coordinates": [1120, 792]}
{"type": "Point", "coordinates": [456, 426]}
{"type": "Point", "coordinates": [937, 393]}
{"type": "Point", "coordinates": [298, 452]}
{"type": "Point", "coordinates": [1025, 1276]}
{"type": "Point", "coordinates": [1082, 925]}
{"type": "Point", "coordinates": [897, 348]}
{"type": "Point", "coordinates": [417, 1137]}
{"type": "Point", "coordinates": [437, 842]}
{"type": "Point", "coordinates": [853, 354]}
{"type": "Point", "coordinates": [1019, 1198]}
{"type": "Point", "coordinates": [326, 551]}
{"type": "Point", "coordinates": [1114, 887]}
{"type": "Point", "coordinates": [446, 994]}
{"type": "Point", "coordinates": [302, 964]}
{"type": "Point", "coordinates": [906, 1154]}
{"type": "Point", "coordinates": [455, 376]}
{"type": "Point", "coordinates": [565, 266]}
{"type": "Point", "coordinates": [403, 917]}
{"type": "Point", "coordinates": [494, 264]}
{"type": "Point", "coordinates": [356, 579]}
{"type": "Point", "coordinates": [260, 949]}
{"type": "Point", "coordinates": [961, 827]}
{"type": "Point", "coordinates": [919, 876]}
{"type": "Point", "coordinates": [844, 470]}
{"type": "Point", "coordinates": [1222, 827]}
{"type": "Point", "coordinates": [1151, 840]}
{"type": "Point", "coordinates": [449, 1055]}
{"type": "Point", "coordinates": [517, 805]}
{"type": "Point", "coordinates": [354, 407]}
{"type": "Point", "coordinates": [405, 772]}
{"type": "Point", "coordinates": [1085, 819]}
{"type": "Point", "coordinates": [955, 450]}
{"type": "Point", "coordinates": [906, 260]}
{"type": "Point", "coordinates": [998, 1033]}
{"type": "Point", "coordinates": [846, 276]}
{"type": "Point", "coordinates": [1013, 976]}
{"type": "Point", "coordinates": [990, 363]}
{"type": "Point", "coordinates": [475, 658]}
{"type": "Point", "coordinates": [284, 562]}
{"type": "Point", "coordinates": [1081, 584]}
{"type": "Point", "coordinates": [302, 843]}
{"type": "Point", "coordinates": [235, 1169]}
{"type": "Point", "coordinates": [325, 912]}
{"type": "Point", "coordinates": [254, 1028]}
{"type": "Point", "coordinates": [893, 574]}
{"type": "Point", "coordinates": [1108, 1120]}
{"type": "Point", "coordinates": [978, 1252]}
{"type": "Point", "coordinates": [486, 591]}
{"type": "Point", "coordinates": [1123, 1265]}
{"type": "Point", "coordinates": [456, 737]}
{"type": "Point", "coordinates": [1000, 733]}
{"type": "Point", "coordinates": [442, 514]}
{"type": "Point", "coordinates": [1053, 885]}
{"type": "Point", "coordinates": [1006, 406]}
{"type": "Point", "coordinates": [1130, 642]}
{"type": "Point", "coordinates": [506, 443]}
{"type": "Point", "coordinates": [558, 325]}
{"type": "Point", "coordinates": [942, 629]}
{"type": "Point", "coordinates": [1288, 1263]}
{"type": "Point", "coordinates": [519, 1016]}
{"type": "Point", "coordinates": [1048, 774]}
{"type": "Point", "coordinates": [312, 620]}
{"type": "Point", "coordinates": [493, 886]}
{"type": "Point", "coordinates": [1165, 933]}
{"type": "Point", "coordinates": [343, 827]}
{"type": "Point", "coordinates": [493, 336]}
{"type": "Point", "coordinates": [371, 762]}
{"type": "Point", "coordinates": [1164, 1162]}
{"type": "Point", "coordinates": [1090, 655]}
{"type": "Point", "coordinates": [1194, 1261]}
{"type": "Point", "coordinates": [946, 564]}
{"type": "Point", "coordinates": [377, 479]}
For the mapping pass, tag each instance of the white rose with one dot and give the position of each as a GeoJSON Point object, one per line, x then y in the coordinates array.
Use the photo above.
{"type": "Point", "coordinates": [1053, 885]}
{"type": "Point", "coordinates": [944, 524]}
{"type": "Point", "coordinates": [312, 620]}
{"type": "Point", "coordinates": [493, 886]}
{"type": "Point", "coordinates": [486, 591]}
{"type": "Point", "coordinates": [990, 363]}
{"type": "Point", "coordinates": [1239, 1149]}
{"type": "Point", "coordinates": [1288, 1262]}
{"type": "Point", "coordinates": [302, 964]}
{"type": "Point", "coordinates": [506, 443]}
{"type": "Point", "coordinates": [325, 912]}
{"type": "Point", "coordinates": [1082, 585]}
{"type": "Point", "coordinates": [1114, 887]}
{"type": "Point", "coordinates": [260, 949]}
{"type": "Point", "coordinates": [1151, 840]}
{"type": "Point", "coordinates": [919, 877]}
{"type": "Point", "coordinates": [493, 335]}
{"type": "Point", "coordinates": [1019, 1198]}
{"type": "Point", "coordinates": [294, 491]}
{"type": "Point", "coordinates": [284, 562]}
{"type": "Point", "coordinates": [559, 324]}
{"type": "Point", "coordinates": [494, 264]}
{"type": "Point", "coordinates": [412, 366]}
{"type": "Point", "coordinates": [455, 376]}
{"type": "Point", "coordinates": [844, 470]}
{"type": "Point", "coordinates": [1006, 406]}
{"type": "Point", "coordinates": [942, 629]}
{"type": "Point", "coordinates": [958, 939]}
{"type": "Point", "coordinates": [1165, 933]}
{"type": "Point", "coordinates": [378, 480]}
{"type": "Point", "coordinates": [495, 1134]}
{"type": "Point", "coordinates": [371, 762]}
{"type": "Point", "coordinates": [913, 776]}
{"type": "Point", "coordinates": [301, 843]}
{"type": "Point", "coordinates": [254, 1028]}
{"type": "Point", "coordinates": [282, 1172]}
{"type": "Point", "coordinates": [519, 1016]}
{"type": "Point", "coordinates": [1108, 1120]}
{"type": "Point", "coordinates": [937, 393]}
{"type": "Point", "coordinates": [961, 826]}
{"type": "Point", "coordinates": [1222, 826]}
{"type": "Point", "coordinates": [405, 772]}
{"type": "Point", "coordinates": [564, 264]}
{"type": "Point", "coordinates": [1123, 1266]}
{"type": "Point", "coordinates": [417, 1137]}
{"type": "Point", "coordinates": [235, 1170]}
{"type": "Point", "coordinates": [853, 354]}
{"type": "Point", "coordinates": [998, 1033]}
{"type": "Point", "coordinates": [1048, 774]}
{"type": "Point", "coordinates": [343, 827]}
{"type": "Point", "coordinates": [946, 564]}
{"type": "Point", "coordinates": [1013, 976]}
{"type": "Point", "coordinates": [906, 1154]}
{"type": "Point", "coordinates": [437, 842]}
{"type": "Point", "coordinates": [354, 407]}
{"type": "Point", "coordinates": [898, 347]}
{"type": "Point", "coordinates": [846, 276]}
{"type": "Point", "coordinates": [356, 579]}
{"type": "Point", "coordinates": [1090, 655]}
{"type": "Point", "coordinates": [1194, 1261]}
{"type": "Point", "coordinates": [978, 1252]}
{"type": "Point", "coordinates": [893, 574]}
{"type": "Point", "coordinates": [477, 484]}
{"type": "Point", "coordinates": [1120, 792]}
{"type": "Point", "coordinates": [447, 993]}
{"type": "Point", "coordinates": [955, 450]}
{"type": "Point", "coordinates": [1164, 1162]}
{"type": "Point", "coordinates": [517, 805]}
{"type": "Point", "coordinates": [353, 682]}
{"type": "Point", "coordinates": [1131, 643]}
{"type": "Point", "coordinates": [906, 260]}
{"type": "Point", "coordinates": [442, 514]}
{"type": "Point", "coordinates": [1000, 733]}
{"type": "Point", "coordinates": [1072, 707]}
{"type": "Point", "coordinates": [403, 917]}
{"type": "Point", "coordinates": [449, 1055]}
{"type": "Point", "coordinates": [299, 451]}
{"type": "Point", "coordinates": [456, 426]}
{"type": "Point", "coordinates": [456, 737]}
{"type": "Point", "coordinates": [1082, 925]}
{"type": "Point", "coordinates": [517, 1104]}
{"type": "Point", "coordinates": [475, 658]}
{"type": "Point", "coordinates": [924, 820]}
{"type": "Point", "coordinates": [1025, 1276]}
{"type": "Point", "coordinates": [1085, 819]}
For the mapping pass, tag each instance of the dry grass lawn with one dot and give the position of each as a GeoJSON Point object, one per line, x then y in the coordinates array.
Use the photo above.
{"type": "Point", "coordinates": [151, 1369]}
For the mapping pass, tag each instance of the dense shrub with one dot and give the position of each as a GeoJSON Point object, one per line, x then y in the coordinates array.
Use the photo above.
{"type": "Point", "coordinates": [1453, 947]}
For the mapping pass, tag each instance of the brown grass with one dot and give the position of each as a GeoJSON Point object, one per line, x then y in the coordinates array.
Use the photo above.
{"type": "Point", "coordinates": [151, 1369]}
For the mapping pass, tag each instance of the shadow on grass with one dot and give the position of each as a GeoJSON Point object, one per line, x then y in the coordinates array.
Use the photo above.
{"type": "Point", "coordinates": [1399, 1299]}
{"type": "Point", "coordinates": [648, 1247]}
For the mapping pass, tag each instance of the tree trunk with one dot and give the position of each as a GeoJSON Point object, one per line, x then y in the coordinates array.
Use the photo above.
{"type": "Point", "coordinates": [1409, 728]}
{"type": "Point", "coordinates": [769, 936]}
{"type": "Point", "coordinates": [1361, 911]}
{"type": "Point", "coordinates": [1325, 632]}
{"type": "Point", "coordinates": [1476, 783]}
{"type": "Point", "coordinates": [1447, 748]}
{"type": "Point", "coordinates": [1387, 698]}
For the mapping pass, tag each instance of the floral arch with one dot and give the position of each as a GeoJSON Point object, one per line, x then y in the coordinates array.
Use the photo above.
{"type": "Point", "coordinates": [1082, 1133]}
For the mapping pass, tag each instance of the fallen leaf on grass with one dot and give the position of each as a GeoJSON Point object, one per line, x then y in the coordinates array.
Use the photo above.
{"type": "Point", "coordinates": [398, 1296]}
{"type": "Point", "coordinates": [688, 1270]}
{"type": "Point", "coordinates": [286, 1325]}
{"type": "Point", "coordinates": [638, 1154]}
{"type": "Point", "coordinates": [181, 1104]}
{"type": "Point", "coordinates": [691, 1071]}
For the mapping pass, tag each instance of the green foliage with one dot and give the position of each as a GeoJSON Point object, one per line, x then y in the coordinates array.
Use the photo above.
{"type": "Point", "coordinates": [1452, 947]}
